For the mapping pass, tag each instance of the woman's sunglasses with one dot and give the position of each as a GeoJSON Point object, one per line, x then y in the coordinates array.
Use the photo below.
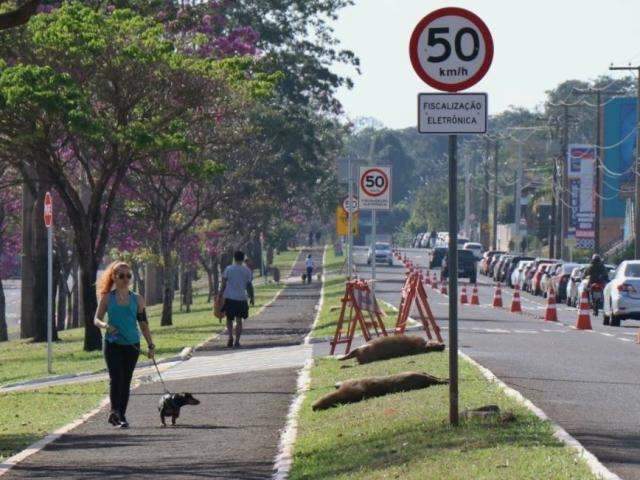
{"type": "Point", "coordinates": [122, 276]}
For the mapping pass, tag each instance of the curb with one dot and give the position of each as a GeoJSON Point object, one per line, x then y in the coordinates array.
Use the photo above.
{"type": "Point", "coordinates": [284, 458]}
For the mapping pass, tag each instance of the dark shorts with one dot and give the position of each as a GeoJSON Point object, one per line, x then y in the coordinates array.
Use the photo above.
{"type": "Point", "coordinates": [235, 308]}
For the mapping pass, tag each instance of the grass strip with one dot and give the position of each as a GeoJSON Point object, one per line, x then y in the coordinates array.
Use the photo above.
{"type": "Point", "coordinates": [26, 417]}
{"type": "Point", "coordinates": [22, 359]}
{"type": "Point", "coordinates": [407, 435]}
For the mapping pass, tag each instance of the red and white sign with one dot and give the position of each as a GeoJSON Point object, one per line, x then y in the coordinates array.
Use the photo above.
{"type": "Point", "coordinates": [451, 49]}
{"type": "Point", "coordinates": [48, 210]}
{"type": "Point", "coordinates": [350, 205]}
{"type": "Point", "coordinates": [375, 188]}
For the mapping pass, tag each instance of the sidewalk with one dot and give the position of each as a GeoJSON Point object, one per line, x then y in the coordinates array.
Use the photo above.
{"type": "Point", "coordinates": [235, 431]}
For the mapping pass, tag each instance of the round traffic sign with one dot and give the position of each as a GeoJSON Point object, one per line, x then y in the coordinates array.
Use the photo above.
{"type": "Point", "coordinates": [48, 210]}
{"type": "Point", "coordinates": [374, 182]}
{"type": "Point", "coordinates": [451, 49]}
{"type": "Point", "coordinates": [350, 206]}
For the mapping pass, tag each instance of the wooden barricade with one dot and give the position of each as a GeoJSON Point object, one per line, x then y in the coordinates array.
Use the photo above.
{"type": "Point", "coordinates": [413, 290]}
{"type": "Point", "coordinates": [357, 301]}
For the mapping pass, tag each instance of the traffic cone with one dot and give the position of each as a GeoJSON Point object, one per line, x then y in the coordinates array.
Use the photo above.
{"type": "Point", "coordinates": [551, 314]}
{"type": "Point", "coordinates": [516, 307]}
{"type": "Point", "coordinates": [443, 288]}
{"type": "Point", "coordinates": [584, 315]}
{"type": "Point", "coordinates": [463, 295]}
{"type": "Point", "coordinates": [497, 297]}
{"type": "Point", "coordinates": [474, 296]}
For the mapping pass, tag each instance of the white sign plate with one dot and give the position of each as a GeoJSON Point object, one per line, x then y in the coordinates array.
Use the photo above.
{"type": "Point", "coordinates": [374, 188]}
{"type": "Point", "coordinates": [350, 206]}
{"type": "Point", "coordinates": [452, 113]}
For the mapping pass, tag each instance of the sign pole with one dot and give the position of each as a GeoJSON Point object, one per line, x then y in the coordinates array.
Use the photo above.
{"type": "Point", "coordinates": [350, 231]}
{"type": "Point", "coordinates": [49, 297]}
{"type": "Point", "coordinates": [373, 249]}
{"type": "Point", "coordinates": [452, 265]}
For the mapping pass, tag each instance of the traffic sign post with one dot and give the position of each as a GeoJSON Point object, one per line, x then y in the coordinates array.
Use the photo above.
{"type": "Point", "coordinates": [374, 193]}
{"type": "Point", "coordinates": [451, 49]}
{"type": "Point", "coordinates": [48, 222]}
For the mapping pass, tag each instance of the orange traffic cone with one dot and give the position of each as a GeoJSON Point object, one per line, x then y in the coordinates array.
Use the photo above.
{"type": "Point", "coordinates": [474, 296]}
{"type": "Point", "coordinates": [443, 288]}
{"type": "Point", "coordinates": [551, 314]}
{"type": "Point", "coordinates": [584, 315]}
{"type": "Point", "coordinates": [463, 295]}
{"type": "Point", "coordinates": [516, 307]}
{"type": "Point", "coordinates": [497, 297]}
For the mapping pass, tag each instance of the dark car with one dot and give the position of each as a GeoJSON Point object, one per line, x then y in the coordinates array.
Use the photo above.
{"type": "Point", "coordinates": [498, 271]}
{"type": "Point", "coordinates": [510, 267]}
{"type": "Point", "coordinates": [494, 261]}
{"type": "Point", "coordinates": [467, 266]}
{"type": "Point", "coordinates": [437, 254]}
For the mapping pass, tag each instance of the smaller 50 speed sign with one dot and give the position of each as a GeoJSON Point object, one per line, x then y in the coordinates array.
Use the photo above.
{"type": "Point", "coordinates": [374, 188]}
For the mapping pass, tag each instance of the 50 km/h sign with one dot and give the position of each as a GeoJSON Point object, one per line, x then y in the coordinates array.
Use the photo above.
{"type": "Point", "coordinates": [375, 188]}
{"type": "Point", "coordinates": [451, 49]}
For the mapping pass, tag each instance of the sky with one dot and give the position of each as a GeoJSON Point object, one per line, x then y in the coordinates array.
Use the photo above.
{"type": "Point", "coordinates": [538, 44]}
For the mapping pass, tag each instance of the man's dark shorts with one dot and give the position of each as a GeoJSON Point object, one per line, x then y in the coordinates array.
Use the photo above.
{"type": "Point", "coordinates": [235, 309]}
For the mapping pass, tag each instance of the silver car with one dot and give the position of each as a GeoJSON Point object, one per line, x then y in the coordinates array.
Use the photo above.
{"type": "Point", "coordinates": [383, 254]}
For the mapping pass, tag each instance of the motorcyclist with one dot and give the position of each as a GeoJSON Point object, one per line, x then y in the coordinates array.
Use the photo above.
{"type": "Point", "coordinates": [596, 271]}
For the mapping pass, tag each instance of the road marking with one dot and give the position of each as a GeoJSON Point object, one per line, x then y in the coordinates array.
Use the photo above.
{"type": "Point", "coordinates": [625, 339]}
{"type": "Point", "coordinates": [526, 331]}
{"type": "Point", "coordinates": [496, 330]}
{"type": "Point", "coordinates": [606, 334]}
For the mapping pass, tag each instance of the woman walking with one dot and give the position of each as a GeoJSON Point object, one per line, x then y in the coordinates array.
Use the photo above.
{"type": "Point", "coordinates": [126, 311]}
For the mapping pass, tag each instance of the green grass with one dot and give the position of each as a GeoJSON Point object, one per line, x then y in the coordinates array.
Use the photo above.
{"type": "Point", "coordinates": [21, 359]}
{"type": "Point", "coordinates": [407, 435]}
{"type": "Point", "coordinates": [25, 417]}
{"type": "Point", "coordinates": [334, 287]}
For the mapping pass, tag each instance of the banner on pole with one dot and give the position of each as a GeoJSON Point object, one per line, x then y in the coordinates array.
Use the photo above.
{"type": "Point", "coordinates": [581, 175]}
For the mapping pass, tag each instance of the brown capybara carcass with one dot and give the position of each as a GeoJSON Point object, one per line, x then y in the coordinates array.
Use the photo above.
{"type": "Point", "coordinates": [352, 391]}
{"type": "Point", "coordinates": [393, 346]}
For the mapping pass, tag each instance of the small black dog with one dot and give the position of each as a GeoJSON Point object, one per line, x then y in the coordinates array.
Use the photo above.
{"type": "Point", "coordinates": [171, 403]}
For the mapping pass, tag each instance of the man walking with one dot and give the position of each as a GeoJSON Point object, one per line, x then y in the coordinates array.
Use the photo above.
{"type": "Point", "coordinates": [237, 286]}
{"type": "Point", "coordinates": [309, 264]}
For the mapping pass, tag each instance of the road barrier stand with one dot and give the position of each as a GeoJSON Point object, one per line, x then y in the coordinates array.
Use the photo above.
{"type": "Point", "coordinates": [497, 296]}
{"type": "Point", "coordinates": [358, 299]}
{"type": "Point", "coordinates": [474, 296]}
{"type": "Point", "coordinates": [413, 291]}
{"type": "Point", "coordinates": [584, 314]}
{"type": "Point", "coordinates": [463, 295]}
{"type": "Point", "coordinates": [551, 313]}
{"type": "Point", "coordinates": [516, 306]}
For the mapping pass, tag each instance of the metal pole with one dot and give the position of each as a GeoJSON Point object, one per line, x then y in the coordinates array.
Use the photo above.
{"type": "Point", "coordinates": [518, 206]}
{"type": "Point", "coordinates": [49, 296]}
{"type": "Point", "coordinates": [467, 197]}
{"type": "Point", "coordinates": [598, 192]}
{"type": "Point", "coordinates": [373, 249]}
{"type": "Point", "coordinates": [495, 195]}
{"type": "Point", "coordinates": [564, 210]}
{"type": "Point", "coordinates": [452, 265]}
{"type": "Point", "coordinates": [552, 219]}
{"type": "Point", "coordinates": [349, 233]}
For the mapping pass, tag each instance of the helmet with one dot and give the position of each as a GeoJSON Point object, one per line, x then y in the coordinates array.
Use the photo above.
{"type": "Point", "coordinates": [595, 258]}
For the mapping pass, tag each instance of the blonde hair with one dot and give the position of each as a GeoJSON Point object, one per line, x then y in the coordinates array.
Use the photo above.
{"type": "Point", "coordinates": [105, 283]}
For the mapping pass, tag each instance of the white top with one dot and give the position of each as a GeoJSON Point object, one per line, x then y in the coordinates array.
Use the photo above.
{"type": "Point", "coordinates": [237, 277]}
{"type": "Point", "coordinates": [309, 262]}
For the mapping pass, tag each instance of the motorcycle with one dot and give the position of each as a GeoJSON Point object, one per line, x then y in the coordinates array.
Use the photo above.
{"type": "Point", "coordinates": [596, 297]}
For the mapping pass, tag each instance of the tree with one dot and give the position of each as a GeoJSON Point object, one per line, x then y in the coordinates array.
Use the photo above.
{"type": "Point", "coordinates": [10, 239]}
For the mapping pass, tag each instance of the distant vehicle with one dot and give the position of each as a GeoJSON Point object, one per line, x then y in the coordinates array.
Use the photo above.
{"type": "Point", "coordinates": [494, 261]}
{"type": "Point", "coordinates": [518, 272]}
{"type": "Point", "coordinates": [462, 242]}
{"type": "Point", "coordinates": [572, 285]}
{"type": "Point", "coordinates": [437, 254]}
{"type": "Point", "coordinates": [467, 266]}
{"type": "Point", "coordinates": [416, 240]}
{"type": "Point", "coordinates": [476, 248]}
{"type": "Point", "coordinates": [382, 255]}
{"type": "Point", "coordinates": [622, 294]}
{"type": "Point", "coordinates": [560, 280]}
{"type": "Point", "coordinates": [487, 257]}
{"type": "Point", "coordinates": [498, 267]}
{"type": "Point", "coordinates": [424, 241]}
{"type": "Point", "coordinates": [536, 287]}
{"type": "Point", "coordinates": [545, 280]}
{"type": "Point", "coordinates": [531, 271]}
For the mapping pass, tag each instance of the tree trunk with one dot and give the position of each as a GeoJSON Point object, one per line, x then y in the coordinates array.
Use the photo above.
{"type": "Point", "coordinates": [216, 275]}
{"type": "Point", "coordinates": [210, 284]}
{"type": "Point", "coordinates": [39, 269]}
{"type": "Point", "coordinates": [168, 285]}
{"type": "Point", "coordinates": [188, 292]}
{"type": "Point", "coordinates": [89, 302]}
{"type": "Point", "coordinates": [61, 316]}
{"type": "Point", "coordinates": [75, 297]}
{"type": "Point", "coordinates": [27, 292]}
{"type": "Point", "coordinates": [4, 334]}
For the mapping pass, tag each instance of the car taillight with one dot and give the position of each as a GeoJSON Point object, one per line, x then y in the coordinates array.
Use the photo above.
{"type": "Point", "coordinates": [626, 288]}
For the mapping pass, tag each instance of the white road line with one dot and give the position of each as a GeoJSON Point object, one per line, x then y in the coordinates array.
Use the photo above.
{"type": "Point", "coordinates": [606, 334]}
{"type": "Point", "coordinates": [625, 339]}
{"type": "Point", "coordinates": [526, 331]}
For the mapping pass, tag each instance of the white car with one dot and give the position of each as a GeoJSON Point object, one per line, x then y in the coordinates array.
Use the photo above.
{"type": "Point", "coordinates": [383, 254]}
{"type": "Point", "coordinates": [476, 248]}
{"type": "Point", "coordinates": [622, 294]}
{"type": "Point", "coordinates": [516, 275]}
{"type": "Point", "coordinates": [572, 285]}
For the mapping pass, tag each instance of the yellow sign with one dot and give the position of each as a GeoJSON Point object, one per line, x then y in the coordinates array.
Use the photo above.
{"type": "Point", "coordinates": [342, 222]}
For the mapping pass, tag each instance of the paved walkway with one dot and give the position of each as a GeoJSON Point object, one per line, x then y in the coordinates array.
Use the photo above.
{"type": "Point", "coordinates": [235, 431]}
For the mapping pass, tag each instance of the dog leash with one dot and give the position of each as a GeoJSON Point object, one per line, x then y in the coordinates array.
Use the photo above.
{"type": "Point", "coordinates": [166, 390]}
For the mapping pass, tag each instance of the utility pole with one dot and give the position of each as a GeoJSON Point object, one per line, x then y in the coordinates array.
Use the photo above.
{"type": "Point", "coordinates": [496, 149]}
{"type": "Point", "coordinates": [518, 195]}
{"type": "Point", "coordinates": [553, 215]}
{"type": "Point", "coordinates": [563, 224]}
{"type": "Point", "coordinates": [467, 197]}
{"type": "Point", "coordinates": [636, 216]}
{"type": "Point", "coordinates": [484, 214]}
{"type": "Point", "coordinates": [598, 92]}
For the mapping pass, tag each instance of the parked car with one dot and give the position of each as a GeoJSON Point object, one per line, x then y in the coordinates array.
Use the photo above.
{"type": "Point", "coordinates": [467, 266]}
{"type": "Point", "coordinates": [382, 255]}
{"type": "Point", "coordinates": [494, 260]}
{"type": "Point", "coordinates": [511, 266]}
{"type": "Point", "coordinates": [572, 285]}
{"type": "Point", "coordinates": [435, 257]}
{"type": "Point", "coordinates": [424, 241]}
{"type": "Point", "coordinates": [531, 271]}
{"type": "Point", "coordinates": [487, 257]}
{"type": "Point", "coordinates": [537, 277]}
{"type": "Point", "coordinates": [545, 280]}
{"type": "Point", "coordinates": [416, 240]}
{"type": "Point", "coordinates": [476, 248]}
{"type": "Point", "coordinates": [498, 270]}
{"type": "Point", "coordinates": [518, 272]}
{"type": "Point", "coordinates": [560, 280]}
{"type": "Point", "coordinates": [622, 294]}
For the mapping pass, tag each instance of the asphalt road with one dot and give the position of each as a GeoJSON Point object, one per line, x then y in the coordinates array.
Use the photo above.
{"type": "Point", "coordinates": [587, 381]}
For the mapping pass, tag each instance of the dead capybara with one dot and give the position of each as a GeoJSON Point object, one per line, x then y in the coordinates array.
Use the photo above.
{"type": "Point", "coordinates": [352, 391]}
{"type": "Point", "coordinates": [382, 348]}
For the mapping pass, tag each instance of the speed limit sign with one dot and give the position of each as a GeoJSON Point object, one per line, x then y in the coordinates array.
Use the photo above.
{"type": "Point", "coordinates": [451, 49]}
{"type": "Point", "coordinates": [375, 188]}
{"type": "Point", "coordinates": [350, 204]}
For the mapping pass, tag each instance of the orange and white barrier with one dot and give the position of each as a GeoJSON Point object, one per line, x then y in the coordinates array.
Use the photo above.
{"type": "Point", "coordinates": [474, 296]}
{"type": "Point", "coordinates": [584, 314]}
{"type": "Point", "coordinates": [516, 306]}
{"type": "Point", "coordinates": [497, 297]}
{"type": "Point", "coordinates": [551, 313]}
{"type": "Point", "coordinates": [463, 295]}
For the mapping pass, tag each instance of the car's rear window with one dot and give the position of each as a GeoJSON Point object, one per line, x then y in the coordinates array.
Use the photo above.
{"type": "Point", "coordinates": [632, 270]}
{"type": "Point", "coordinates": [466, 255]}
